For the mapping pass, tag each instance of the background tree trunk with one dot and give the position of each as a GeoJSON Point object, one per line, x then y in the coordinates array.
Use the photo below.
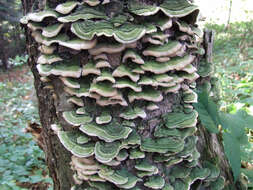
{"type": "Point", "coordinates": [52, 103]}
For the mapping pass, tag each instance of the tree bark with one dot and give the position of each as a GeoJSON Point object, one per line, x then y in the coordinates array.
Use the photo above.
{"type": "Point", "coordinates": [3, 52]}
{"type": "Point", "coordinates": [53, 102]}
{"type": "Point", "coordinates": [57, 158]}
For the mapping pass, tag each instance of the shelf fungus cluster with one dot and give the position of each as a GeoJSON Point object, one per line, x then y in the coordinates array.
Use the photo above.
{"type": "Point", "coordinates": [128, 69]}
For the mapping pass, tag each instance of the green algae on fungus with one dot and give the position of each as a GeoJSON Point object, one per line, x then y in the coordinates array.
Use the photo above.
{"type": "Point", "coordinates": [155, 182]}
{"type": "Point", "coordinates": [75, 119]}
{"type": "Point", "coordinates": [132, 180]}
{"type": "Point", "coordinates": [75, 100]}
{"type": "Point", "coordinates": [147, 94]}
{"type": "Point", "coordinates": [105, 76]}
{"type": "Point", "coordinates": [90, 68]}
{"type": "Point", "coordinates": [127, 83]}
{"type": "Point", "coordinates": [171, 8]}
{"type": "Point", "coordinates": [115, 177]}
{"type": "Point", "coordinates": [52, 30]}
{"type": "Point", "coordinates": [104, 89]}
{"type": "Point", "coordinates": [124, 70]}
{"type": "Point", "coordinates": [123, 154]}
{"type": "Point", "coordinates": [104, 118]}
{"type": "Point", "coordinates": [134, 113]}
{"type": "Point", "coordinates": [83, 91]}
{"type": "Point", "coordinates": [66, 8]}
{"type": "Point", "coordinates": [143, 165]}
{"type": "Point", "coordinates": [48, 59]}
{"type": "Point", "coordinates": [133, 56]}
{"type": "Point", "coordinates": [64, 69]}
{"type": "Point", "coordinates": [168, 49]}
{"type": "Point", "coordinates": [136, 154]}
{"type": "Point", "coordinates": [180, 119]}
{"type": "Point", "coordinates": [109, 132]}
{"type": "Point", "coordinates": [176, 63]}
{"type": "Point", "coordinates": [106, 152]}
{"type": "Point", "coordinates": [162, 145]}
{"type": "Point", "coordinates": [39, 16]}
{"type": "Point", "coordinates": [69, 141]}
{"type": "Point", "coordinates": [126, 33]}
{"type": "Point", "coordinates": [70, 82]}
{"type": "Point", "coordinates": [63, 40]}
{"type": "Point", "coordinates": [48, 50]}
{"type": "Point", "coordinates": [84, 13]}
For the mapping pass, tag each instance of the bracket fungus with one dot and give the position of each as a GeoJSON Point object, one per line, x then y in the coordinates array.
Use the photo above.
{"type": "Point", "coordinates": [39, 16]}
{"type": "Point", "coordinates": [134, 113]}
{"type": "Point", "coordinates": [104, 118]}
{"type": "Point", "coordinates": [76, 100]}
{"type": "Point", "coordinates": [115, 177]}
{"type": "Point", "coordinates": [52, 30]}
{"type": "Point", "coordinates": [130, 75]}
{"type": "Point", "coordinates": [109, 133]}
{"type": "Point", "coordinates": [84, 13]}
{"type": "Point", "coordinates": [126, 33]}
{"type": "Point", "coordinates": [172, 8]}
{"type": "Point", "coordinates": [136, 154]}
{"type": "Point", "coordinates": [48, 59]}
{"type": "Point", "coordinates": [123, 70]}
{"type": "Point", "coordinates": [168, 49]}
{"type": "Point", "coordinates": [145, 166]}
{"type": "Point", "coordinates": [66, 8]}
{"type": "Point", "coordinates": [180, 119]}
{"type": "Point", "coordinates": [63, 69]}
{"type": "Point", "coordinates": [133, 56]}
{"type": "Point", "coordinates": [155, 182]}
{"type": "Point", "coordinates": [122, 155]}
{"type": "Point", "coordinates": [70, 82]}
{"type": "Point", "coordinates": [127, 83]}
{"type": "Point", "coordinates": [177, 63]}
{"type": "Point", "coordinates": [75, 119]}
{"type": "Point", "coordinates": [147, 94]}
{"type": "Point", "coordinates": [105, 152]}
{"type": "Point", "coordinates": [162, 145]}
{"type": "Point", "coordinates": [69, 141]}
{"type": "Point", "coordinates": [132, 180]}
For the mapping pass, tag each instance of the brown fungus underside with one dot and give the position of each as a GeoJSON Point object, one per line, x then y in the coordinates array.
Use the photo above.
{"type": "Point", "coordinates": [129, 70]}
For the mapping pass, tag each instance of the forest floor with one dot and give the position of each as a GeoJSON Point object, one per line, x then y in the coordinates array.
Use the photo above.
{"type": "Point", "coordinates": [22, 164]}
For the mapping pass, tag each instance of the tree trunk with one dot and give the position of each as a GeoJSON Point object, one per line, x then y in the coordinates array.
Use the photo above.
{"type": "Point", "coordinates": [164, 160]}
{"type": "Point", "coordinates": [3, 52]}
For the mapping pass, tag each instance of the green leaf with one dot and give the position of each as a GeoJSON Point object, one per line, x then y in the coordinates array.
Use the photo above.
{"type": "Point", "coordinates": [232, 151]}
{"type": "Point", "coordinates": [245, 118]}
{"type": "Point", "coordinates": [235, 125]}
{"type": "Point", "coordinates": [233, 137]}
{"type": "Point", "coordinates": [208, 112]}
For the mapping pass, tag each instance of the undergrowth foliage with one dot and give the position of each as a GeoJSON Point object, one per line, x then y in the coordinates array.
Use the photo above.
{"type": "Point", "coordinates": [21, 160]}
{"type": "Point", "coordinates": [233, 59]}
{"type": "Point", "coordinates": [232, 128]}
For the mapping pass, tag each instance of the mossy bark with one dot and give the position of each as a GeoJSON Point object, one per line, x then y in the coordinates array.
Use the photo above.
{"type": "Point", "coordinates": [53, 102]}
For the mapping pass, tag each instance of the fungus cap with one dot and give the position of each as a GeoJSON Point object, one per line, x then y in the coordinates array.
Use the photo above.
{"type": "Point", "coordinates": [68, 140]}
{"type": "Point", "coordinates": [75, 119]}
{"type": "Point", "coordinates": [155, 182]}
{"type": "Point", "coordinates": [106, 152]}
{"type": "Point", "coordinates": [109, 133]}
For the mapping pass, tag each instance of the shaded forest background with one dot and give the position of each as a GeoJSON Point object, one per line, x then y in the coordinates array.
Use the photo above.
{"type": "Point", "coordinates": [22, 163]}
